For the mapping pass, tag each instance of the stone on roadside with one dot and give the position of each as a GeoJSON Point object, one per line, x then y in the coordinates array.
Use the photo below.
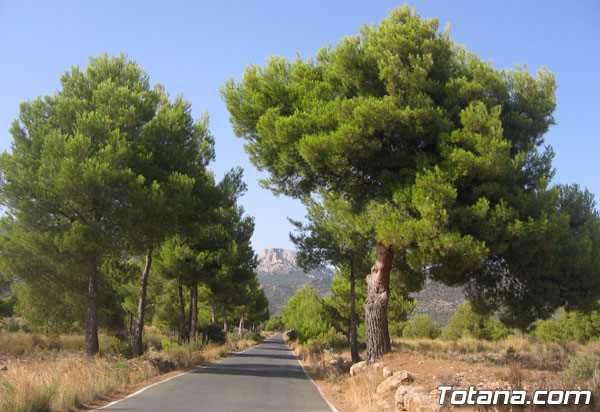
{"type": "Point", "coordinates": [387, 372]}
{"type": "Point", "coordinates": [397, 379]}
{"type": "Point", "coordinates": [357, 367]}
{"type": "Point", "coordinates": [415, 399]}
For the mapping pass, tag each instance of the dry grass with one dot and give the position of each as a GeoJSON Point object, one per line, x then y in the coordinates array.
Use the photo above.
{"type": "Point", "coordinates": [360, 392]}
{"type": "Point", "coordinates": [515, 363]}
{"type": "Point", "coordinates": [66, 380]}
{"type": "Point", "coordinates": [23, 344]}
{"type": "Point", "coordinates": [60, 384]}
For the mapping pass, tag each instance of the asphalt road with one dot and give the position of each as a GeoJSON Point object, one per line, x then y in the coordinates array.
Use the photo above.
{"type": "Point", "coordinates": [266, 377]}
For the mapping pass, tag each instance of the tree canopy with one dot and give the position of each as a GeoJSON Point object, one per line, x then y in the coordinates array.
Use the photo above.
{"type": "Point", "coordinates": [102, 173]}
{"type": "Point", "coordinates": [440, 151]}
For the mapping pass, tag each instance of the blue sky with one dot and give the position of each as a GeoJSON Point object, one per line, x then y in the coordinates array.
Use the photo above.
{"type": "Point", "coordinates": [193, 47]}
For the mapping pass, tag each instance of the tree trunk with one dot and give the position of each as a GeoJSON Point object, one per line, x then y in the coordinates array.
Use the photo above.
{"type": "Point", "coordinates": [353, 317]}
{"type": "Point", "coordinates": [138, 347]}
{"type": "Point", "coordinates": [213, 311]}
{"type": "Point", "coordinates": [225, 326]}
{"type": "Point", "coordinates": [241, 326]}
{"type": "Point", "coordinates": [378, 293]}
{"type": "Point", "coordinates": [182, 328]}
{"type": "Point", "coordinates": [91, 315]}
{"type": "Point", "coordinates": [194, 310]}
{"type": "Point", "coordinates": [189, 317]}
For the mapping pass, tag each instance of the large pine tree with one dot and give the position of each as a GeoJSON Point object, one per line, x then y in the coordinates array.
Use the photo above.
{"type": "Point", "coordinates": [442, 152]}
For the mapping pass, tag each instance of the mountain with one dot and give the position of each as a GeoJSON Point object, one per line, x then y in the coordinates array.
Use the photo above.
{"type": "Point", "coordinates": [280, 276]}
{"type": "Point", "coordinates": [438, 301]}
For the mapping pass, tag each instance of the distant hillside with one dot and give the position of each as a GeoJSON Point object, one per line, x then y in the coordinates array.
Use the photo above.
{"type": "Point", "coordinates": [438, 301]}
{"type": "Point", "coordinates": [279, 276]}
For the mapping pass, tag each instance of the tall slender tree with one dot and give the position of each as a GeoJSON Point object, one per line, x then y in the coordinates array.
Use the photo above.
{"type": "Point", "coordinates": [336, 234]}
{"type": "Point", "coordinates": [67, 183]}
{"type": "Point", "coordinates": [171, 154]}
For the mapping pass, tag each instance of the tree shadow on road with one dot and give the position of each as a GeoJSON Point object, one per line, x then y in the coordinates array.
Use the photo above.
{"type": "Point", "coordinates": [263, 355]}
{"type": "Point", "coordinates": [255, 369]}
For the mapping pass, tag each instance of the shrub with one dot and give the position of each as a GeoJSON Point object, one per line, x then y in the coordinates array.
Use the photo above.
{"type": "Point", "coordinates": [421, 326]}
{"type": "Point", "coordinates": [292, 335]}
{"type": "Point", "coordinates": [7, 307]}
{"type": "Point", "coordinates": [274, 324]}
{"type": "Point", "coordinates": [570, 325]}
{"type": "Point", "coordinates": [212, 334]}
{"type": "Point", "coordinates": [254, 336]}
{"type": "Point", "coordinates": [306, 315]}
{"type": "Point", "coordinates": [466, 323]}
{"type": "Point", "coordinates": [153, 337]}
{"type": "Point", "coordinates": [582, 369]}
{"type": "Point", "coordinates": [12, 325]}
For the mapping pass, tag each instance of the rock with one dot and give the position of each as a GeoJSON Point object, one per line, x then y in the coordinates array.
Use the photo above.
{"type": "Point", "coordinates": [420, 363]}
{"type": "Point", "coordinates": [4, 368]}
{"type": "Point", "coordinates": [415, 399]}
{"type": "Point", "coordinates": [357, 367]}
{"type": "Point", "coordinates": [372, 376]}
{"type": "Point", "coordinates": [387, 372]}
{"type": "Point", "coordinates": [378, 366]}
{"type": "Point", "coordinates": [397, 379]}
{"type": "Point", "coordinates": [335, 362]}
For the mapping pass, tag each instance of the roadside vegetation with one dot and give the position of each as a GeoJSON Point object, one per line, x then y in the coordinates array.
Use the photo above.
{"type": "Point", "coordinates": [472, 349]}
{"type": "Point", "coordinates": [51, 373]}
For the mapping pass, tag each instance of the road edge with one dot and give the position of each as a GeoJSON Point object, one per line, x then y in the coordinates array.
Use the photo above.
{"type": "Point", "coordinates": [168, 379]}
{"type": "Point", "coordinates": [331, 406]}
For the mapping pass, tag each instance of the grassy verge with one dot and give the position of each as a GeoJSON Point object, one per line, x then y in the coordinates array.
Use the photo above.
{"type": "Point", "coordinates": [513, 364]}
{"type": "Point", "coordinates": [60, 380]}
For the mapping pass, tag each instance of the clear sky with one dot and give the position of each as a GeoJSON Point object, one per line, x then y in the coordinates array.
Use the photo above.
{"type": "Point", "coordinates": [194, 47]}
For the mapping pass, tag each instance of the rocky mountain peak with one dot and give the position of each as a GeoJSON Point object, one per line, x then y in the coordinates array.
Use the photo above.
{"type": "Point", "coordinates": [275, 259]}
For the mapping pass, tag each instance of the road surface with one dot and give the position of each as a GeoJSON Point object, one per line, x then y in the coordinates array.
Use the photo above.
{"type": "Point", "coordinates": [266, 377]}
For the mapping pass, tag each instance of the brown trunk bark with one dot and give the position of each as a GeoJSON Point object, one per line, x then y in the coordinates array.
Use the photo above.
{"type": "Point", "coordinates": [182, 329]}
{"type": "Point", "coordinates": [91, 315]}
{"type": "Point", "coordinates": [378, 292]}
{"type": "Point", "coordinates": [241, 326]}
{"type": "Point", "coordinates": [353, 317]}
{"type": "Point", "coordinates": [138, 347]}
{"type": "Point", "coordinates": [225, 326]}
{"type": "Point", "coordinates": [194, 309]}
{"type": "Point", "coordinates": [213, 312]}
{"type": "Point", "coordinates": [189, 317]}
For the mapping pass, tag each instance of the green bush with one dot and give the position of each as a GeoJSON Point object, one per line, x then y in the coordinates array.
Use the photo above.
{"type": "Point", "coordinates": [306, 315]}
{"type": "Point", "coordinates": [334, 340]}
{"type": "Point", "coordinates": [466, 323]}
{"type": "Point", "coordinates": [421, 326]}
{"type": "Point", "coordinates": [582, 369]}
{"type": "Point", "coordinates": [292, 335]}
{"type": "Point", "coordinates": [274, 324]}
{"type": "Point", "coordinates": [570, 325]}
{"type": "Point", "coordinates": [7, 307]}
{"type": "Point", "coordinates": [212, 334]}
{"type": "Point", "coordinates": [254, 336]}
{"type": "Point", "coordinates": [396, 328]}
{"type": "Point", "coordinates": [13, 325]}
